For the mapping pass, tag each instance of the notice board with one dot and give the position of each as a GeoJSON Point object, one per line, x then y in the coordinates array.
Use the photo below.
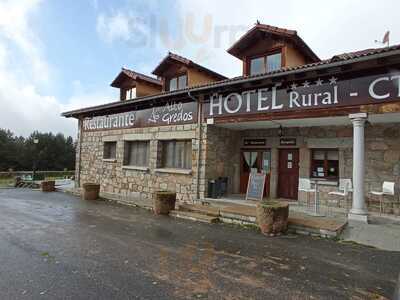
{"type": "Point", "coordinates": [255, 186]}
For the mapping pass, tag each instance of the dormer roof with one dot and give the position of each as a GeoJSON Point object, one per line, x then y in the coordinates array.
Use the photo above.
{"type": "Point", "coordinates": [172, 59]}
{"type": "Point", "coordinates": [261, 31]}
{"type": "Point", "coordinates": [136, 76]}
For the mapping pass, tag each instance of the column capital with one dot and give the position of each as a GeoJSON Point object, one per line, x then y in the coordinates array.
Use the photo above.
{"type": "Point", "coordinates": [358, 119]}
{"type": "Point", "coordinates": [358, 116]}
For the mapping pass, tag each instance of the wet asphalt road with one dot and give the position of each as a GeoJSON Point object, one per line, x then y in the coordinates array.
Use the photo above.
{"type": "Point", "coordinates": [56, 246]}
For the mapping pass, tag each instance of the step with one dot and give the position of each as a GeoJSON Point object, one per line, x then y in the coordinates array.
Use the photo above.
{"type": "Point", "coordinates": [238, 214]}
{"type": "Point", "coordinates": [319, 226]}
{"type": "Point", "coordinates": [201, 209]}
{"type": "Point", "coordinates": [193, 216]}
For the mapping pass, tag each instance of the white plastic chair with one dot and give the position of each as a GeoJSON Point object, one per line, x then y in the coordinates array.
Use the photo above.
{"type": "Point", "coordinates": [387, 189]}
{"type": "Point", "coordinates": [305, 186]}
{"type": "Point", "coordinates": [345, 186]}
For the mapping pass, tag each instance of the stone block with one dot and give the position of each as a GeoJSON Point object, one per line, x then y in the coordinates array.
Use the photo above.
{"type": "Point", "coordinates": [377, 145]}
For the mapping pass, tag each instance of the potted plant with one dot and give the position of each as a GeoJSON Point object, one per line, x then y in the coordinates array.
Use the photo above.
{"type": "Point", "coordinates": [272, 217]}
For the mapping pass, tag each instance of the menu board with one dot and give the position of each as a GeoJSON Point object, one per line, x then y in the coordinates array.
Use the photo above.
{"type": "Point", "coordinates": [255, 186]}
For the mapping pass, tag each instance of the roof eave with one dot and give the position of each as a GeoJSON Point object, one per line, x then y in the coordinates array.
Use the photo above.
{"type": "Point", "coordinates": [240, 80]}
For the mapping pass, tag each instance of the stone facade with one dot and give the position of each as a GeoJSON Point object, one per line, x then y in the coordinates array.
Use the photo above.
{"type": "Point", "coordinates": [220, 156]}
{"type": "Point", "coordinates": [137, 185]}
{"type": "Point", "coordinates": [382, 155]}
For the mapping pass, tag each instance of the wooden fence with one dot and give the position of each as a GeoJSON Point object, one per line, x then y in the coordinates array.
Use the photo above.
{"type": "Point", "coordinates": [55, 174]}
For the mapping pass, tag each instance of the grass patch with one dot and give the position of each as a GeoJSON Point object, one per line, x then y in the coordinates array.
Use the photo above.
{"type": "Point", "coordinates": [54, 177]}
{"type": "Point", "coordinates": [6, 182]}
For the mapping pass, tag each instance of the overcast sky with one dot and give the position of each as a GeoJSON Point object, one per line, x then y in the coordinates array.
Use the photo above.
{"type": "Point", "coordinates": [59, 55]}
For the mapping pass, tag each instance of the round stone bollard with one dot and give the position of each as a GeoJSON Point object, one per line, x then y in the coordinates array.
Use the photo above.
{"type": "Point", "coordinates": [91, 191]}
{"type": "Point", "coordinates": [48, 186]}
{"type": "Point", "coordinates": [272, 217]}
{"type": "Point", "coordinates": [164, 202]}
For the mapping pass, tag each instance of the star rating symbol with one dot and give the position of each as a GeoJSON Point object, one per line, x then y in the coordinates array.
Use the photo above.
{"type": "Point", "coordinates": [333, 80]}
{"type": "Point", "coordinates": [293, 86]}
{"type": "Point", "coordinates": [319, 82]}
{"type": "Point", "coordinates": [306, 84]}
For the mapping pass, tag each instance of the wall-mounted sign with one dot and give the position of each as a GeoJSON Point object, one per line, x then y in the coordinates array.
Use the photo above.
{"type": "Point", "coordinates": [287, 141]}
{"type": "Point", "coordinates": [254, 142]}
{"type": "Point", "coordinates": [169, 114]}
{"type": "Point", "coordinates": [306, 95]}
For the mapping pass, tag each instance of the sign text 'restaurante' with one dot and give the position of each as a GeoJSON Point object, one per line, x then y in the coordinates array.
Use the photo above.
{"type": "Point", "coordinates": [122, 120]}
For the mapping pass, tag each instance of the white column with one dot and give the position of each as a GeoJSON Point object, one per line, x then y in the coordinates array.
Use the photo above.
{"type": "Point", "coordinates": [358, 211]}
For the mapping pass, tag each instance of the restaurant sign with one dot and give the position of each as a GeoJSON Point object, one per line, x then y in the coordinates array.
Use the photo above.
{"type": "Point", "coordinates": [169, 114]}
{"type": "Point", "coordinates": [255, 142]}
{"type": "Point", "coordinates": [287, 141]}
{"type": "Point", "coordinates": [320, 93]}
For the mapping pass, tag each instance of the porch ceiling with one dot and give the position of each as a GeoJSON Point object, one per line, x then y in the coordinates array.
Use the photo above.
{"type": "Point", "coordinates": [327, 121]}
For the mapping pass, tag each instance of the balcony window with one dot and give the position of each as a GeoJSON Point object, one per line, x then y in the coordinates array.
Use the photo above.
{"type": "Point", "coordinates": [131, 93]}
{"type": "Point", "coordinates": [265, 63]}
{"type": "Point", "coordinates": [274, 62]}
{"type": "Point", "coordinates": [177, 83]}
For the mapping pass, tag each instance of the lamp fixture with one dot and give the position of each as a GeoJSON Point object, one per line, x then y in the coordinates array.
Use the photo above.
{"type": "Point", "coordinates": [280, 131]}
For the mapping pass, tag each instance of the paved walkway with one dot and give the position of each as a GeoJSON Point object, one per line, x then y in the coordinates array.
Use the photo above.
{"type": "Point", "coordinates": [383, 233]}
{"type": "Point", "coordinates": [56, 246]}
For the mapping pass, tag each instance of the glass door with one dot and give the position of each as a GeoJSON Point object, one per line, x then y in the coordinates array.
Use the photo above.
{"type": "Point", "coordinates": [257, 160]}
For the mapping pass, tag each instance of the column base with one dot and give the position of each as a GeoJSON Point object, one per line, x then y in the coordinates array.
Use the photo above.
{"type": "Point", "coordinates": [358, 217]}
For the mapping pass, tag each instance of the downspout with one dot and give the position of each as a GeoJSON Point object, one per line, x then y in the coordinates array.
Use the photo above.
{"type": "Point", "coordinates": [200, 139]}
{"type": "Point", "coordinates": [78, 177]}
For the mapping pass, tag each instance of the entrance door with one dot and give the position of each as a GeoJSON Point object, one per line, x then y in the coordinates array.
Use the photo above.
{"type": "Point", "coordinates": [288, 178]}
{"type": "Point", "coordinates": [255, 159]}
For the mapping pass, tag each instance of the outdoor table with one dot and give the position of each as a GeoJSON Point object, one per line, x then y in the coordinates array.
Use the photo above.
{"type": "Point", "coordinates": [316, 212]}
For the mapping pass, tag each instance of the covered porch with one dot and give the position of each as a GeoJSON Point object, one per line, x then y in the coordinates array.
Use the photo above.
{"type": "Point", "coordinates": [360, 147]}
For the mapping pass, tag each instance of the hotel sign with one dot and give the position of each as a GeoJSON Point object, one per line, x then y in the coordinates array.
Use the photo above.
{"type": "Point", "coordinates": [170, 114]}
{"type": "Point", "coordinates": [320, 93]}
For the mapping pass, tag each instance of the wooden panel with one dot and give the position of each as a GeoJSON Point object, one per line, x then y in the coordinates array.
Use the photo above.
{"type": "Point", "coordinates": [144, 89]}
{"type": "Point", "coordinates": [288, 177]}
{"type": "Point", "coordinates": [195, 77]}
{"type": "Point", "coordinates": [262, 46]}
{"type": "Point", "coordinates": [293, 57]}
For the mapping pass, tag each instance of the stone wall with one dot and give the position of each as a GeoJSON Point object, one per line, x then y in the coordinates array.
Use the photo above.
{"type": "Point", "coordinates": [221, 152]}
{"type": "Point", "coordinates": [220, 156]}
{"type": "Point", "coordinates": [134, 185]}
{"type": "Point", "coordinates": [382, 153]}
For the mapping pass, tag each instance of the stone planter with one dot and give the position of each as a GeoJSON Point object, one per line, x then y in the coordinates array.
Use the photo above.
{"type": "Point", "coordinates": [48, 186]}
{"type": "Point", "coordinates": [91, 191]}
{"type": "Point", "coordinates": [272, 217]}
{"type": "Point", "coordinates": [164, 202]}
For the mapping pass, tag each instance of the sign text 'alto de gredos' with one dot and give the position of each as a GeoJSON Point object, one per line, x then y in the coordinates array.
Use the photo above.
{"type": "Point", "coordinates": [320, 93]}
